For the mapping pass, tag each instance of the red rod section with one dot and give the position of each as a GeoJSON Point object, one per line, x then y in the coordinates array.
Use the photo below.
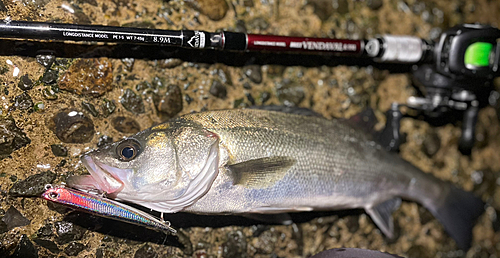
{"type": "Point", "coordinates": [257, 42]}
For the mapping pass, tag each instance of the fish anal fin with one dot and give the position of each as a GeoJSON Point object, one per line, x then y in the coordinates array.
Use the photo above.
{"type": "Point", "coordinates": [381, 214]}
{"type": "Point", "coordinates": [261, 173]}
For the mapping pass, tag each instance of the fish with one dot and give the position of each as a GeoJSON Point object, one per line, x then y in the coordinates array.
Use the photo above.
{"type": "Point", "coordinates": [104, 207]}
{"type": "Point", "coordinates": [252, 161]}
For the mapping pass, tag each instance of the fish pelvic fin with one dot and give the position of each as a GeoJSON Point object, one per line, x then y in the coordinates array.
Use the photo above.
{"type": "Point", "coordinates": [261, 173]}
{"type": "Point", "coordinates": [381, 214]}
{"type": "Point", "coordinates": [458, 214]}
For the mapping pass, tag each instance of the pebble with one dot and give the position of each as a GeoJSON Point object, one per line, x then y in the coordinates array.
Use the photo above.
{"type": "Point", "coordinates": [23, 102]}
{"type": "Point", "coordinates": [72, 126]}
{"type": "Point", "coordinates": [132, 102]}
{"type": "Point", "coordinates": [128, 64]}
{"type": "Point", "coordinates": [188, 99]}
{"type": "Point", "coordinates": [291, 94]}
{"type": "Point", "coordinates": [235, 246]}
{"type": "Point", "coordinates": [33, 185]}
{"type": "Point", "coordinates": [90, 108]}
{"type": "Point", "coordinates": [13, 138]}
{"type": "Point", "coordinates": [25, 249]}
{"type": "Point", "coordinates": [46, 230]}
{"type": "Point", "coordinates": [253, 72]}
{"type": "Point", "coordinates": [46, 60]}
{"type": "Point", "coordinates": [146, 251]}
{"type": "Point", "coordinates": [225, 76]}
{"type": "Point", "coordinates": [169, 63]}
{"type": "Point", "coordinates": [25, 83]}
{"type": "Point", "coordinates": [88, 77]}
{"type": "Point", "coordinates": [58, 150]}
{"type": "Point", "coordinates": [108, 107]}
{"type": "Point", "coordinates": [74, 248]}
{"type": "Point", "coordinates": [170, 103]}
{"type": "Point", "coordinates": [49, 94]}
{"type": "Point", "coordinates": [13, 219]}
{"type": "Point", "coordinates": [431, 143]}
{"type": "Point", "coordinates": [49, 77]}
{"type": "Point", "coordinates": [218, 90]}
{"type": "Point", "coordinates": [214, 9]}
{"type": "Point", "coordinates": [47, 244]}
{"type": "Point", "coordinates": [125, 125]}
{"type": "Point", "coordinates": [264, 97]}
{"type": "Point", "coordinates": [67, 232]}
{"type": "Point", "coordinates": [374, 4]}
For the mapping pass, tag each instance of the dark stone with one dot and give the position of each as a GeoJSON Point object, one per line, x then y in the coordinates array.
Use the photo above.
{"type": "Point", "coordinates": [431, 143]}
{"type": "Point", "coordinates": [12, 137]}
{"type": "Point", "coordinates": [264, 97]}
{"type": "Point", "coordinates": [25, 83]}
{"type": "Point", "coordinates": [23, 102]}
{"type": "Point", "coordinates": [3, 228]}
{"type": "Point", "coordinates": [352, 223]}
{"type": "Point", "coordinates": [170, 103]}
{"type": "Point", "coordinates": [247, 86]}
{"type": "Point", "coordinates": [146, 251]}
{"type": "Point", "coordinates": [132, 102]}
{"type": "Point", "coordinates": [250, 98]}
{"type": "Point", "coordinates": [103, 140]}
{"type": "Point", "coordinates": [375, 4]}
{"type": "Point", "coordinates": [90, 108]}
{"type": "Point", "coordinates": [235, 246]}
{"type": "Point", "coordinates": [67, 232]}
{"type": "Point", "coordinates": [125, 125]}
{"type": "Point", "coordinates": [322, 8]}
{"type": "Point", "coordinates": [188, 99]}
{"type": "Point", "coordinates": [33, 185]}
{"type": "Point", "coordinates": [74, 248]}
{"type": "Point", "coordinates": [218, 89]}
{"type": "Point", "coordinates": [239, 103]}
{"type": "Point", "coordinates": [49, 77]}
{"type": "Point", "coordinates": [253, 72]}
{"type": "Point", "coordinates": [169, 63]}
{"type": "Point", "coordinates": [46, 60]}
{"type": "Point", "coordinates": [49, 245]}
{"type": "Point", "coordinates": [72, 126]}
{"type": "Point", "coordinates": [143, 86]}
{"type": "Point", "coordinates": [425, 215]}
{"type": "Point", "coordinates": [108, 107]}
{"type": "Point", "coordinates": [13, 219]}
{"type": "Point", "coordinates": [46, 230]}
{"type": "Point", "coordinates": [89, 76]}
{"type": "Point", "coordinates": [128, 64]}
{"type": "Point", "coordinates": [25, 249]}
{"type": "Point", "coordinates": [49, 93]}
{"type": "Point", "coordinates": [291, 94]}
{"type": "Point", "coordinates": [58, 150]}
{"type": "Point", "coordinates": [213, 9]}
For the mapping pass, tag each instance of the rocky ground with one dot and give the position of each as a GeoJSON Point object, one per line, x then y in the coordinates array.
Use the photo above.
{"type": "Point", "coordinates": [59, 100]}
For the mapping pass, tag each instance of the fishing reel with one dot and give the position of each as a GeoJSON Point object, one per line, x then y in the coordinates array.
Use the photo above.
{"type": "Point", "coordinates": [455, 86]}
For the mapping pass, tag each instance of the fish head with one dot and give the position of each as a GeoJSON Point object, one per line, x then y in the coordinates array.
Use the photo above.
{"type": "Point", "coordinates": [165, 168]}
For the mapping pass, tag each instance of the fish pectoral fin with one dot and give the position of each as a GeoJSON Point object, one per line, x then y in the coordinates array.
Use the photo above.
{"type": "Point", "coordinates": [381, 214]}
{"type": "Point", "coordinates": [260, 173]}
{"type": "Point", "coordinates": [278, 218]}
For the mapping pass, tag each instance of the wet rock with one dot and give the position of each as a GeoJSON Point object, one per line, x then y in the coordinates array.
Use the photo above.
{"type": "Point", "coordinates": [49, 77]}
{"type": "Point", "coordinates": [90, 108]}
{"type": "Point", "coordinates": [253, 72]}
{"type": "Point", "coordinates": [128, 64]}
{"type": "Point", "coordinates": [125, 125]}
{"type": "Point", "coordinates": [3, 229]}
{"type": "Point", "coordinates": [25, 83]}
{"type": "Point", "coordinates": [33, 185]}
{"type": "Point", "coordinates": [214, 9]}
{"type": "Point", "coordinates": [235, 246]}
{"type": "Point", "coordinates": [23, 102]}
{"type": "Point", "coordinates": [25, 249]}
{"type": "Point", "coordinates": [13, 219]}
{"type": "Point", "coordinates": [46, 60]}
{"type": "Point", "coordinates": [74, 248]}
{"type": "Point", "coordinates": [13, 138]}
{"type": "Point", "coordinates": [46, 230]}
{"type": "Point", "coordinates": [58, 150]}
{"type": "Point", "coordinates": [47, 244]}
{"type": "Point", "coordinates": [169, 63]}
{"type": "Point", "coordinates": [146, 251]}
{"type": "Point", "coordinates": [170, 103]}
{"type": "Point", "coordinates": [431, 143]}
{"type": "Point", "coordinates": [67, 232]}
{"type": "Point", "coordinates": [49, 93]}
{"type": "Point", "coordinates": [92, 77]}
{"type": "Point", "coordinates": [291, 94]}
{"type": "Point", "coordinates": [72, 126]}
{"type": "Point", "coordinates": [374, 4]}
{"type": "Point", "coordinates": [103, 140]}
{"type": "Point", "coordinates": [132, 102]}
{"type": "Point", "coordinates": [108, 107]}
{"type": "Point", "coordinates": [218, 90]}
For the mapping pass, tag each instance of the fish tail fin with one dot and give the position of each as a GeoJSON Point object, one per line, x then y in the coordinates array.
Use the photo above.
{"type": "Point", "coordinates": [458, 214]}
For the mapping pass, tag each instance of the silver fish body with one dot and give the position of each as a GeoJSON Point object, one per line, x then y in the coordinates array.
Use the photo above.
{"type": "Point", "coordinates": [257, 161]}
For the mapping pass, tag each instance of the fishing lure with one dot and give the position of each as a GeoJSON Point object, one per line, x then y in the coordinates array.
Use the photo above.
{"type": "Point", "coordinates": [104, 207]}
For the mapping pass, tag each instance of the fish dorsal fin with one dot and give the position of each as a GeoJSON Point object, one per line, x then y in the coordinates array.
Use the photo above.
{"type": "Point", "coordinates": [382, 215]}
{"type": "Point", "coordinates": [287, 109]}
{"type": "Point", "coordinates": [262, 172]}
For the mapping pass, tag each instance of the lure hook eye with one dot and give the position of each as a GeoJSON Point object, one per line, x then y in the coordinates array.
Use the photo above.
{"type": "Point", "coordinates": [53, 195]}
{"type": "Point", "coordinates": [47, 187]}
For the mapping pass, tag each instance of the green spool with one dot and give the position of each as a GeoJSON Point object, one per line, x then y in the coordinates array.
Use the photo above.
{"type": "Point", "coordinates": [477, 54]}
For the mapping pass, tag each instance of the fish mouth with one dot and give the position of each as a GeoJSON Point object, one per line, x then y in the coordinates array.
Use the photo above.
{"type": "Point", "coordinates": [102, 177]}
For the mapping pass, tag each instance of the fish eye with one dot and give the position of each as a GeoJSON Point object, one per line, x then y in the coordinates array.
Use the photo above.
{"type": "Point", "coordinates": [128, 150]}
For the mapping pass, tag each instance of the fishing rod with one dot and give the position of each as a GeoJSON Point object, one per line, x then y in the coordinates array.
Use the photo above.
{"type": "Point", "coordinates": [455, 74]}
